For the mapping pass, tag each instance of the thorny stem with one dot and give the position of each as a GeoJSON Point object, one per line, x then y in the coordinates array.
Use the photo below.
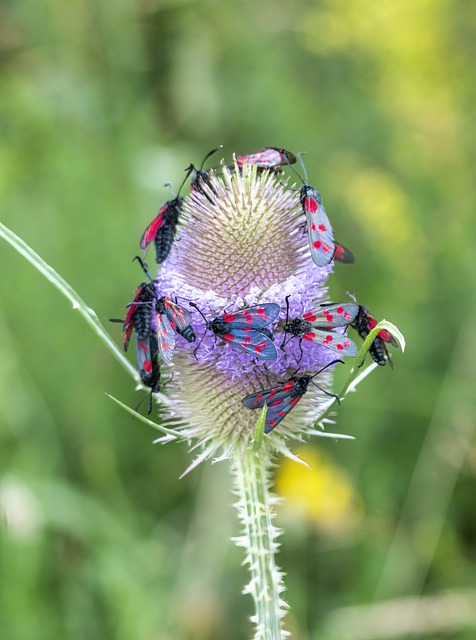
{"type": "Point", "coordinates": [256, 511]}
{"type": "Point", "coordinates": [77, 302]}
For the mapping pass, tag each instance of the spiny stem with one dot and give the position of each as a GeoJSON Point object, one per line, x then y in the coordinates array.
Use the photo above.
{"type": "Point", "coordinates": [256, 510]}
{"type": "Point", "coordinates": [77, 302]}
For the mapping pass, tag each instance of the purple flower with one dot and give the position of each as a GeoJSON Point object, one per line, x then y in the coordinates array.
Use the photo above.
{"type": "Point", "coordinates": [242, 242]}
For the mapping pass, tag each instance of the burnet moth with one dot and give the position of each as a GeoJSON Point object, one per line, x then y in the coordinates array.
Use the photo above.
{"type": "Point", "coordinates": [167, 317]}
{"type": "Point", "coordinates": [179, 318]}
{"type": "Point", "coordinates": [320, 233]}
{"type": "Point", "coordinates": [246, 329]}
{"type": "Point", "coordinates": [268, 158]}
{"type": "Point", "coordinates": [201, 177]}
{"type": "Point", "coordinates": [163, 227]}
{"type": "Point", "coordinates": [140, 320]}
{"type": "Point", "coordinates": [364, 322]}
{"type": "Point", "coordinates": [281, 399]}
{"type": "Point", "coordinates": [315, 326]}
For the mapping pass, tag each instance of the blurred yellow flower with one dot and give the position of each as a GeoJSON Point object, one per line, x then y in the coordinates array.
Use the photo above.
{"type": "Point", "coordinates": [323, 495]}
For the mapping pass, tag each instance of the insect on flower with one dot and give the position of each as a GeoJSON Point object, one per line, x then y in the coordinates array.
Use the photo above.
{"type": "Point", "coordinates": [140, 320]}
{"type": "Point", "coordinates": [163, 227]}
{"type": "Point", "coordinates": [320, 233]}
{"type": "Point", "coordinates": [268, 159]}
{"type": "Point", "coordinates": [315, 326]}
{"type": "Point", "coordinates": [178, 317]}
{"type": "Point", "coordinates": [166, 316]}
{"type": "Point", "coordinates": [283, 397]}
{"type": "Point", "coordinates": [246, 329]}
{"type": "Point", "coordinates": [363, 323]}
{"type": "Point", "coordinates": [201, 177]}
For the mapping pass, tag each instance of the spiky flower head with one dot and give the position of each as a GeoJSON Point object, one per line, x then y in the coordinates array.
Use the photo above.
{"type": "Point", "coordinates": [242, 242]}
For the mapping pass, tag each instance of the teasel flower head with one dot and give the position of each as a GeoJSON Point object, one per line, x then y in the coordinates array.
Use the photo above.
{"type": "Point", "coordinates": [242, 243]}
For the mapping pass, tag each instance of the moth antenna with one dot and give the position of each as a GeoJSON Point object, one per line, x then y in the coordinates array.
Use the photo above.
{"type": "Point", "coordinates": [286, 323]}
{"type": "Point", "coordinates": [149, 395]}
{"type": "Point", "coordinates": [292, 168]}
{"type": "Point", "coordinates": [192, 167]}
{"type": "Point", "coordinates": [169, 186]}
{"type": "Point", "coordinates": [192, 304]}
{"type": "Point", "coordinates": [299, 155]}
{"type": "Point", "coordinates": [209, 154]}
{"type": "Point", "coordinates": [300, 349]}
{"type": "Point", "coordinates": [328, 393]}
{"type": "Point", "coordinates": [327, 366]}
{"type": "Point", "coordinates": [144, 267]}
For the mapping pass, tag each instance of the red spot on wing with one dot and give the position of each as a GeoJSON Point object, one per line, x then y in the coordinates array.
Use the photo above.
{"type": "Point", "coordinates": [287, 386]}
{"type": "Point", "coordinates": [310, 205]}
{"type": "Point", "coordinates": [228, 317]}
{"type": "Point", "coordinates": [309, 335]}
{"type": "Point", "coordinates": [294, 400]}
{"type": "Point", "coordinates": [143, 346]}
{"type": "Point", "coordinates": [317, 244]}
{"type": "Point", "coordinates": [147, 366]}
{"type": "Point", "coordinates": [229, 337]}
{"type": "Point", "coordinates": [322, 227]}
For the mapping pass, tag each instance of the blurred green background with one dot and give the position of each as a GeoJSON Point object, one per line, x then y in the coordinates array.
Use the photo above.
{"type": "Point", "coordinates": [101, 104]}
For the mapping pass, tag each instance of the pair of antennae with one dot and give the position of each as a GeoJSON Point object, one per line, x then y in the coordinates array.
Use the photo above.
{"type": "Point", "coordinates": [328, 393]}
{"type": "Point", "coordinates": [191, 168]}
{"type": "Point", "coordinates": [299, 155]}
{"type": "Point", "coordinates": [192, 304]}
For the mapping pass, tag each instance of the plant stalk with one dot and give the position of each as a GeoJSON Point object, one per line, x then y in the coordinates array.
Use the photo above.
{"type": "Point", "coordinates": [259, 539]}
{"type": "Point", "coordinates": [78, 303]}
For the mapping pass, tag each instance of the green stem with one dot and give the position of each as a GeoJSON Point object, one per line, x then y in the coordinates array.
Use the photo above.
{"type": "Point", "coordinates": [256, 511]}
{"type": "Point", "coordinates": [77, 302]}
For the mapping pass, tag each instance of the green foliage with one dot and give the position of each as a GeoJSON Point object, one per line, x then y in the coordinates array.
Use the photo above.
{"type": "Point", "coordinates": [101, 105]}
